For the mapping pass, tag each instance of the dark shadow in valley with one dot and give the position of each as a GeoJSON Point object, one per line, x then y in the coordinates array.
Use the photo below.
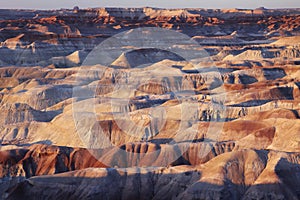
{"type": "Point", "coordinates": [134, 185]}
{"type": "Point", "coordinates": [252, 103]}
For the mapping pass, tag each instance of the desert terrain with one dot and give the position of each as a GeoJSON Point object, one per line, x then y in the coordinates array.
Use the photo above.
{"type": "Point", "coordinates": [149, 103]}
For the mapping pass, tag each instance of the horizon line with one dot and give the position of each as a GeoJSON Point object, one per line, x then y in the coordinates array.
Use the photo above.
{"type": "Point", "coordinates": [163, 8]}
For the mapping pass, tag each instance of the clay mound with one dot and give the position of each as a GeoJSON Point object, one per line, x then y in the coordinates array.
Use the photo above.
{"type": "Point", "coordinates": [143, 154]}
{"type": "Point", "coordinates": [39, 159]}
{"type": "Point", "coordinates": [211, 184]}
{"type": "Point", "coordinates": [238, 129]}
{"type": "Point", "coordinates": [142, 57]}
{"type": "Point", "coordinates": [42, 159]}
{"type": "Point", "coordinates": [276, 175]}
{"type": "Point", "coordinates": [242, 171]}
{"type": "Point", "coordinates": [260, 139]}
{"type": "Point", "coordinates": [8, 82]}
{"type": "Point", "coordinates": [41, 97]}
{"type": "Point", "coordinates": [252, 55]}
{"type": "Point", "coordinates": [77, 57]}
{"type": "Point", "coordinates": [22, 113]}
{"type": "Point", "coordinates": [121, 61]}
{"type": "Point", "coordinates": [14, 43]}
{"type": "Point", "coordinates": [265, 176]}
{"type": "Point", "coordinates": [276, 113]}
{"type": "Point", "coordinates": [286, 136]}
{"type": "Point", "coordinates": [74, 59]}
{"type": "Point", "coordinates": [287, 41]}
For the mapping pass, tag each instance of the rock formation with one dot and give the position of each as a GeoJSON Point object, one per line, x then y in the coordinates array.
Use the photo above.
{"type": "Point", "coordinates": [147, 123]}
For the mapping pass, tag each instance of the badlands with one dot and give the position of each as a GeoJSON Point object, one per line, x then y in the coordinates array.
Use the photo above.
{"type": "Point", "coordinates": [148, 103]}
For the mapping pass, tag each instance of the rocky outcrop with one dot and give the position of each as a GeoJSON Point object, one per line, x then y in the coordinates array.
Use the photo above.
{"type": "Point", "coordinates": [234, 175]}
{"type": "Point", "coordinates": [22, 113]}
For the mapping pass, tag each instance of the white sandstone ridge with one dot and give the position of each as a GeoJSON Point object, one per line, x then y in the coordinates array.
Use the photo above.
{"type": "Point", "coordinates": [263, 53]}
{"type": "Point", "coordinates": [287, 41]}
{"type": "Point", "coordinates": [141, 13]}
{"type": "Point", "coordinates": [13, 43]}
{"type": "Point", "coordinates": [148, 12]}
